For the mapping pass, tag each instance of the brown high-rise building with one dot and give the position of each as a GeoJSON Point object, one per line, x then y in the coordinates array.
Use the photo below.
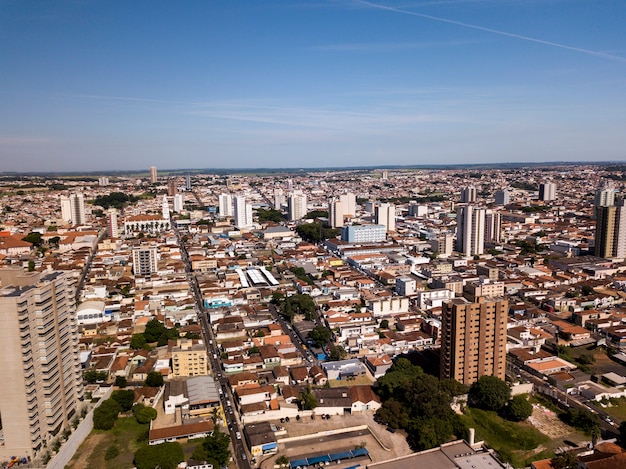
{"type": "Point", "coordinates": [473, 339]}
{"type": "Point", "coordinates": [610, 237]}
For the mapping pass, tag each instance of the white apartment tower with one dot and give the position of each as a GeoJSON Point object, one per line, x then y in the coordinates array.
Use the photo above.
{"type": "Point", "coordinates": [153, 174]}
{"type": "Point", "coordinates": [279, 198]}
{"type": "Point", "coordinates": [145, 260]}
{"type": "Point", "coordinates": [502, 197]}
{"type": "Point", "coordinates": [547, 191]}
{"type": "Point", "coordinates": [178, 203]}
{"type": "Point", "coordinates": [40, 366]}
{"type": "Point", "coordinates": [243, 212]}
{"type": "Point", "coordinates": [470, 231]}
{"type": "Point", "coordinates": [73, 209]}
{"type": "Point", "coordinates": [112, 226]}
{"type": "Point", "coordinates": [225, 205]}
{"type": "Point", "coordinates": [386, 215]}
{"type": "Point", "coordinates": [296, 205]}
{"type": "Point", "coordinates": [605, 195]}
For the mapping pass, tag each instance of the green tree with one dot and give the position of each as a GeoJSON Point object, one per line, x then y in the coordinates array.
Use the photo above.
{"type": "Point", "coordinates": [125, 398]}
{"type": "Point", "coordinates": [144, 414]}
{"type": "Point", "coordinates": [214, 446]}
{"type": "Point", "coordinates": [489, 393]}
{"type": "Point", "coordinates": [121, 381]}
{"type": "Point", "coordinates": [307, 400]}
{"type": "Point", "coordinates": [165, 456]}
{"type": "Point", "coordinates": [92, 376]}
{"type": "Point", "coordinates": [320, 335]}
{"type": "Point", "coordinates": [518, 408]}
{"type": "Point", "coordinates": [337, 352]}
{"type": "Point", "coordinates": [31, 265]}
{"type": "Point", "coordinates": [138, 341]}
{"type": "Point", "coordinates": [384, 324]}
{"type": "Point", "coordinates": [34, 238]}
{"type": "Point", "coordinates": [564, 461]}
{"type": "Point", "coordinates": [154, 379]}
{"type": "Point", "coordinates": [282, 460]}
{"type": "Point", "coordinates": [105, 415]}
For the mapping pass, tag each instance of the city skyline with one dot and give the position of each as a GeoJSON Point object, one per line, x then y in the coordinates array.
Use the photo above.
{"type": "Point", "coordinates": [91, 86]}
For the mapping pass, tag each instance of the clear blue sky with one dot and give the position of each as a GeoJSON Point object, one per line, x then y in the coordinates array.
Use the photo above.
{"type": "Point", "coordinates": [104, 85]}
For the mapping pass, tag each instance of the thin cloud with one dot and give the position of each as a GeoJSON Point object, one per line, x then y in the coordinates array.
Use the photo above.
{"type": "Point", "coordinates": [593, 53]}
{"type": "Point", "coordinates": [388, 46]}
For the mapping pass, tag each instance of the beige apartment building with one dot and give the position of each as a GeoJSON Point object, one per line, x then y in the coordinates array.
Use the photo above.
{"type": "Point", "coordinates": [40, 365]}
{"type": "Point", "coordinates": [473, 339]}
{"type": "Point", "coordinates": [189, 359]}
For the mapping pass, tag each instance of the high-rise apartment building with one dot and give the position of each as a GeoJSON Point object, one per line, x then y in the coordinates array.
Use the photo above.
{"type": "Point", "coordinates": [178, 203]}
{"type": "Point", "coordinates": [225, 205]}
{"type": "Point", "coordinates": [493, 226]}
{"type": "Point", "coordinates": [145, 260]}
{"type": "Point", "coordinates": [610, 238]}
{"type": "Point", "coordinates": [103, 181]}
{"type": "Point", "coordinates": [468, 195]}
{"type": "Point", "coordinates": [112, 225]}
{"type": "Point", "coordinates": [172, 187]}
{"type": "Point", "coordinates": [364, 233]}
{"type": "Point", "coordinates": [188, 182]}
{"type": "Point", "coordinates": [502, 197]}
{"type": "Point", "coordinates": [40, 366]}
{"type": "Point", "coordinates": [73, 209]}
{"type": "Point", "coordinates": [153, 174]}
{"type": "Point", "coordinates": [605, 195]}
{"type": "Point", "coordinates": [386, 215]}
{"type": "Point", "coordinates": [470, 230]}
{"type": "Point", "coordinates": [296, 205]}
{"type": "Point", "coordinates": [443, 244]}
{"type": "Point", "coordinates": [473, 339]}
{"type": "Point", "coordinates": [547, 191]}
{"type": "Point", "coordinates": [340, 208]}
{"type": "Point", "coordinates": [243, 212]}
{"type": "Point", "coordinates": [280, 199]}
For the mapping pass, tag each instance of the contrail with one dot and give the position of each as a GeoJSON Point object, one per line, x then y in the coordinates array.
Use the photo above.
{"type": "Point", "coordinates": [495, 31]}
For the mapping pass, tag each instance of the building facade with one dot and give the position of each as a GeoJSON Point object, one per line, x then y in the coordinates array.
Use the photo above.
{"type": "Point", "coordinates": [364, 233]}
{"type": "Point", "coordinates": [40, 366]}
{"type": "Point", "coordinates": [473, 339]}
{"type": "Point", "coordinates": [470, 234]}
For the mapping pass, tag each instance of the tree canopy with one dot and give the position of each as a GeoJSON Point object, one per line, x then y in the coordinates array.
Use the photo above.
{"type": "Point", "coordinates": [489, 393]}
{"type": "Point", "coordinates": [115, 199]}
{"type": "Point", "coordinates": [154, 379]}
{"type": "Point", "coordinates": [157, 332]}
{"type": "Point", "coordinates": [270, 215]}
{"type": "Point", "coordinates": [316, 232]}
{"type": "Point", "coordinates": [320, 335]}
{"type": "Point", "coordinates": [420, 404]}
{"type": "Point", "coordinates": [298, 304]}
{"type": "Point", "coordinates": [125, 398]}
{"type": "Point", "coordinates": [105, 415]}
{"type": "Point", "coordinates": [215, 447]}
{"type": "Point", "coordinates": [518, 408]}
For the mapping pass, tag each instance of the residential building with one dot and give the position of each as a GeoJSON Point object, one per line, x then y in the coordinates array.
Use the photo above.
{"type": "Point", "coordinates": [189, 358]}
{"type": "Point", "coordinates": [40, 366]}
{"type": "Point", "coordinates": [296, 205]}
{"type": "Point", "coordinates": [178, 203]}
{"type": "Point", "coordinates": [473, 339]}
{"type": "Point", "coordinates": [470, 234]}
{"type": "Point", "coordinates": [468, 195]}
{"type": "Point", "coordinates": [145, 260]}
{"type": "Point", "coordinates": [243, 212]}
{"type": "Point", "coordinates": [112, 226]}
{"type": "Point", "coordinates": [364, 233]}
{"type": "Point", "coordinates": [547, 191]}
{"type": "Point", "coordinates": [386, 215]}
{"type": "Point", "coordinates": [73, 209]}
{"type": "Point", "coordinates": [493, 226]}
{"type": "Point", "coordinates": [225, 205]}
{"type": "Point", "coordinates": [502, 197]}
{"type": "Point", "coordinates": [153, 174]}
{"type": "Point", "coordinates": [610, 237]}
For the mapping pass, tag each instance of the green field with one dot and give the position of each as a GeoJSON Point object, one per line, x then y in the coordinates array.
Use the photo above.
{"type": "Point", "coordinates": [127, 436]}
{"type": "Point", "coordinates": [516, 443]}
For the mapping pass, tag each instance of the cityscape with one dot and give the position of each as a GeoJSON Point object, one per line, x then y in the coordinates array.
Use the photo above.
{"type": "Point", "coordinates": [376, 318]}
{"type": "Point", "coordinates": [362, 234]}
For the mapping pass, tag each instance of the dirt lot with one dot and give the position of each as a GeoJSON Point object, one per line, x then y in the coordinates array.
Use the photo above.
{"type": "Point", "coordinates": [548, 423]}
{"type": "Point", "coordinates": [380, 443]}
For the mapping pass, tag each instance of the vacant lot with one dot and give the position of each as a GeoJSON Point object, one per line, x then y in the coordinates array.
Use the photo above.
{"type": "Point", "coordinates": [127, 436]}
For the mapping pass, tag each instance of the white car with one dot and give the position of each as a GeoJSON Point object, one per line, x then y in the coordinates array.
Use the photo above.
{"type": "Point", "coordinates": [238, 435]}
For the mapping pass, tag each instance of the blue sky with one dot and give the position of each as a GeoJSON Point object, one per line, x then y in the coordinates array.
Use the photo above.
{"type": "Point", "coordinates": [115, 85]}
